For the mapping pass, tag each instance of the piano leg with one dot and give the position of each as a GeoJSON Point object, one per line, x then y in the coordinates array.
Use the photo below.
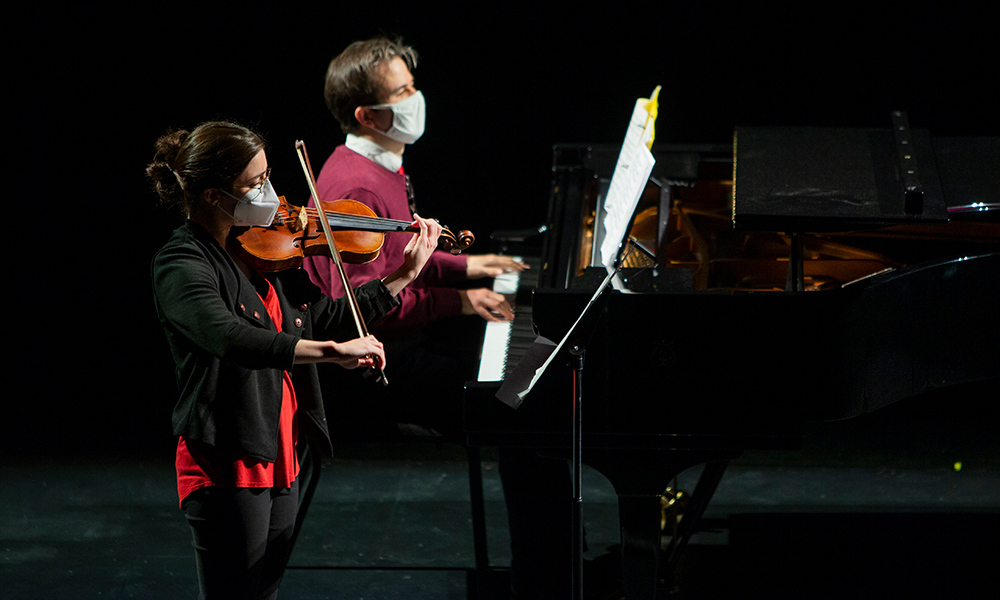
{"type": "Point", "coordinates": [640, 482]}
{"type": "Point", "coordinates": [477, 500]}
{"type": "Point", "coordinates": [703, 492]}
{"type": "Point", "coordinates": [639, 518]}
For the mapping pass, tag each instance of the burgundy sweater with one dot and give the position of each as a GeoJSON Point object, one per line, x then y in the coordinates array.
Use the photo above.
{"type": "Point", "coordinates": [348, 174]}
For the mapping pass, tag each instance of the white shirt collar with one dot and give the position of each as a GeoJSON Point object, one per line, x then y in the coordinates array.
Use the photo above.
{"type": "Point", "coordinates": [374, 152]}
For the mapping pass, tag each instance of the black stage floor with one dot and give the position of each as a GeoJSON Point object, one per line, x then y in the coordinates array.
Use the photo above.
{"type": "Point", "coordinates": [878, 508]}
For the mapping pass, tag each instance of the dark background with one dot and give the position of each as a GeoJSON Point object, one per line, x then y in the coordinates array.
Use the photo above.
{"type": "Point", "coordinates": [93, 87]}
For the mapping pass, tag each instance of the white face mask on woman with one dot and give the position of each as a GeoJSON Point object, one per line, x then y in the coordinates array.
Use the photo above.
{"type": "Point", "coordinates": [256, 207]}
{"type": "Point", "coordinates": [408, 116]}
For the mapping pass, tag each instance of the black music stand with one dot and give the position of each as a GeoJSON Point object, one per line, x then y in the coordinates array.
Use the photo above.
{"type": "Point", "coordinates": [576, 347]}
{"type": "Point", "coordinates": [574, 343]}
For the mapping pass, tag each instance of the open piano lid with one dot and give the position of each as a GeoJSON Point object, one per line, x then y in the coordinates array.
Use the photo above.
{"type": "Point", "coordinates": [797, 179]}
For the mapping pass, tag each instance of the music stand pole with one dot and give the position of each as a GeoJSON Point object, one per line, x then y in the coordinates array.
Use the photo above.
{"type": "Point", "coordinates": [577, 358]}
{"type": "Point", "coordinates": [576, 346]}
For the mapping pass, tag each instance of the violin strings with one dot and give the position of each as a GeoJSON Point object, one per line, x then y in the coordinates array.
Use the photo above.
{"type": "Point", "coordinates": [361, 221]}
{"type": "Point", "coordinates": [312, 212]}
{"type": "Point", "coordinates": [347, 221]}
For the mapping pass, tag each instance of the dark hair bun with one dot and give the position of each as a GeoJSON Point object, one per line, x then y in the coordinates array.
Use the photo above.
{"type": "Point", "coordinates": [212, 155]}
{"type": "Point", "coordinates": [161, 170]}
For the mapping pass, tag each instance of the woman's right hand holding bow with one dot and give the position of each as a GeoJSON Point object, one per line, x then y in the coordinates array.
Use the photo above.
{"type": "Point", "coordinates": [359, 352]}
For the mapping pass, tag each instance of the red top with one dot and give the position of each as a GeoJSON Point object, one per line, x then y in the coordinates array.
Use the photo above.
{"type": "Point", "coordinates": [347, 174]}
{"type": "Point", "coordinates": [200, 465]}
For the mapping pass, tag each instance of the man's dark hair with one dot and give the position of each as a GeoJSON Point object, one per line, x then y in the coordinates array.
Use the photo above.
{"type": "Point", "coordinates": [353, 78]}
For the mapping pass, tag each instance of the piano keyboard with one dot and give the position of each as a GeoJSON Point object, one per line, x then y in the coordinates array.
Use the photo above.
{"type": "Point", "coordinates": [505, 342]}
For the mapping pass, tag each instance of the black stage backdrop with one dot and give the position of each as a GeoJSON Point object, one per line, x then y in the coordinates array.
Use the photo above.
{"type": "Point", "coordinates": [94, 86]}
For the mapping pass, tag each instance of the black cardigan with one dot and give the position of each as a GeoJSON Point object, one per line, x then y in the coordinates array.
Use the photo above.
{"type": "Point", "coordinates": [228, 354]}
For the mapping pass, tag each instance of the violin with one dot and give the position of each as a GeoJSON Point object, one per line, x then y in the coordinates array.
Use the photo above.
{"type": "Point", "coordinates": [294, 234]}
{"type": "Point", "coordinates": [357, 231]}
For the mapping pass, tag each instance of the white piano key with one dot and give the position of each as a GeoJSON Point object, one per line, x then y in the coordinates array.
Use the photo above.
{"type": "Point", "coordinates": [496, 339]}
{"type": "Point", "coordinates": [494, 353]}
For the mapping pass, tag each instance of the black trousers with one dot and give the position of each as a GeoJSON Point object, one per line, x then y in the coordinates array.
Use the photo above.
{"type": "Point", "coordinates": [242, 539]}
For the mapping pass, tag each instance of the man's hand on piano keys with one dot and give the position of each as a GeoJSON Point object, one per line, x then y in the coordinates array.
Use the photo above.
{"type": "Point", "coordinates": [491, 265]}
{"type": "Point", "coordinates": [487, 304]}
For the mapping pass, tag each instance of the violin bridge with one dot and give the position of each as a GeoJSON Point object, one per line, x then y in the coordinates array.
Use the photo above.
{"type": "Point", "coordinates": [299, 221]}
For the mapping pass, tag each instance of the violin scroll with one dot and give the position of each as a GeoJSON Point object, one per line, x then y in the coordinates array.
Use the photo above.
{"type": "Point", "coordinates": [456, 244]}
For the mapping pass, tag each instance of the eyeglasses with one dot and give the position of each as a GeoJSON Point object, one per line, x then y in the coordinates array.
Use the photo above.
{"type": "Point", "coordinates": [263, 180]}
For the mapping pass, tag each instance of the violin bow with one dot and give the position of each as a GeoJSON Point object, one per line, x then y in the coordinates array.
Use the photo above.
{"type": "Point", "coordinates": [300, 149]}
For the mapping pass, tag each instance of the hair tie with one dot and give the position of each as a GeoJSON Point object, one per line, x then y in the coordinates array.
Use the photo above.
{"type": "Point", "coordinates": [177, 176]}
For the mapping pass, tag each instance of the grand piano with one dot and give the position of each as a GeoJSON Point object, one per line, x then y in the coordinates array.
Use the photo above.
{"type": "Point", "coordinates": [795, 275]}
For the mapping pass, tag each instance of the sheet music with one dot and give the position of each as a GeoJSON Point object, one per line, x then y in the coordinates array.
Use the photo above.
{"type": "Point", "coordinates": [518, 383]}
{"type": "Point", "coordinates": [635, 163]}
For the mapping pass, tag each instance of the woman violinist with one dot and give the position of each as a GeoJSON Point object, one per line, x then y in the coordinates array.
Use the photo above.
{"type": "Point", "coordinates": [245, 347]}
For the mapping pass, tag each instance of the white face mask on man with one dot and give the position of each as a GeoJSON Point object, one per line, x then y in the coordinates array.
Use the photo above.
{"type": "Point", "coordinates": [256, 208]}
{"type": "Point", "coordinates": [408, 116]}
